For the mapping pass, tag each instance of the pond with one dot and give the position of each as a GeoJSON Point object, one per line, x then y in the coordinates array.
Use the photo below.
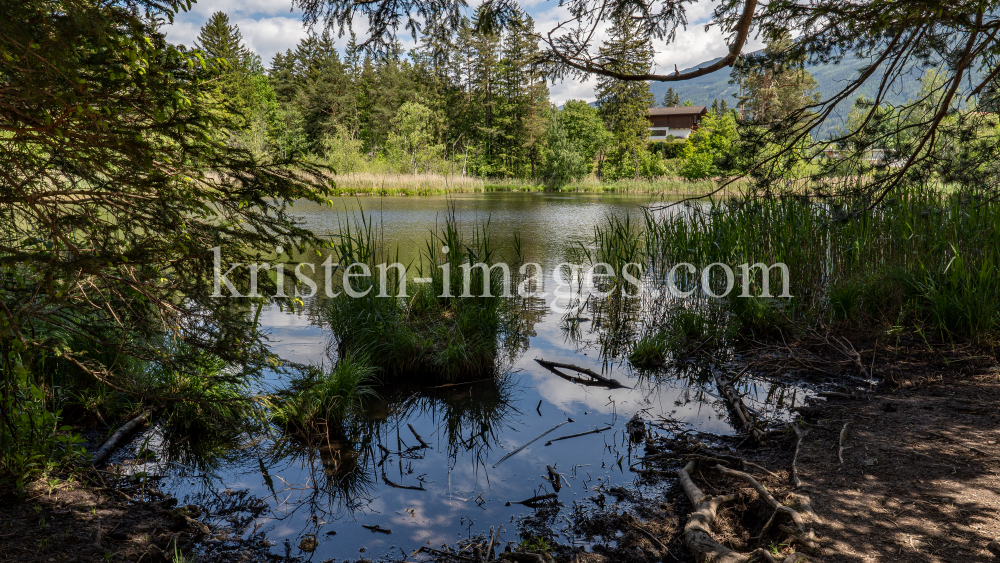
{"type": "Point", "coordinates": [462, 484]}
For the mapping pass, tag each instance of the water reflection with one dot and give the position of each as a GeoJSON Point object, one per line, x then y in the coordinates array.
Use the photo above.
{"type": "Point", "coordinates": [318, 486]}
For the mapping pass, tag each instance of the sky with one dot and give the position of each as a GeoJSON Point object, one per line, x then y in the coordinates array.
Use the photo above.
{"type": "Point", "coordinates": [272, 26]}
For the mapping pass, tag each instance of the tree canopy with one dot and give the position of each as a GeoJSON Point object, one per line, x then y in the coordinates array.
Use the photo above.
{"type": "Point", "coordinates": [117, 179]}
{"type": "Point", "coordinates": [958, 38]}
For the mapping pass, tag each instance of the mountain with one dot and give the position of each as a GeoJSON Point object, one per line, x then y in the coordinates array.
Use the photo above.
{"type": "Point", "coordinates": [830, 78]}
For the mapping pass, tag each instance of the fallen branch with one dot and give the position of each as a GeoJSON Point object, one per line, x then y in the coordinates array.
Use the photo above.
{"type": "Point", "coordinates": [417, 436]}
{"type": "Point", "coordinates": [118, 436]}
{"type": "Point", "coordinates": [398, 486]}
{"type": "Point", "coordinates": [596, 378]}
{"type": "Point", "coordinates": [743, 417]}
{"type": "Point", "coordinates": [577, 435]}
{"type": "Point", "coordinates": [376, 528]}
{"type": "Point", "coordinates": [532, 441]}
{"type": "Point", "coordinates": [531, 502]}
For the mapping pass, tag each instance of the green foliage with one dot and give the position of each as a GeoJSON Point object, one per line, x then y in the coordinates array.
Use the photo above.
{"type": "Point", "coordinates": [121, 174]}
{"type": "Point", "coordinates": [320, 403]}
{"type": "Point", "coordinates": [669, 149]}
{"type": "Point", "coordinates": [708, 146]}
{"type": "Point", "coordinates": [623, 104]}
{"type": "Point", "coordinates": [923, 262]}
{"type": "Point", "coordinates": [684, 332]}
{"type": "Point", "coordinates": [566, 163]}
{"type": "Point", "coordinates": [33, 440]}
{"type": "Point", "coordinates": [422, 335]}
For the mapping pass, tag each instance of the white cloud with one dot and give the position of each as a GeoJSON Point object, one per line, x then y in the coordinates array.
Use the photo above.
{"type": "Point", "coordinates": [269, 27]}
{"type": "Point", "coordinates": [267, 36]}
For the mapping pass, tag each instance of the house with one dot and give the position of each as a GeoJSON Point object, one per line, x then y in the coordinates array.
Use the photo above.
{"type": "Point", "coordinates": [676, 121]}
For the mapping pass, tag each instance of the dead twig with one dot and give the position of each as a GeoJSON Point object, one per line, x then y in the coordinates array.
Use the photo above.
{"type": "Point", "coordinates": [532, 441]}
{"type": "Point", "coordinates": [596, 378]}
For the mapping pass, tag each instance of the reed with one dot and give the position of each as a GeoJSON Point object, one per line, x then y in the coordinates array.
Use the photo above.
{"type": "Point", "coordinates": [454, 328]}
{"type": "Point", "coordinates": [925, 261]}
{"type": "Point", "coordinates": [319, 403]}
{"type": "Point", "coordinates": [385, 184]}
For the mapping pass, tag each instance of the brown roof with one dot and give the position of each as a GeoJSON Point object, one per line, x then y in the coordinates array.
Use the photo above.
{"type": "Point", "coordinates": [680, 110]}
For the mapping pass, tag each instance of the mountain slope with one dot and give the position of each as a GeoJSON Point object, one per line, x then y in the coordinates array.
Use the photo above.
{"type": "Point", "coordinates": [830, 78]}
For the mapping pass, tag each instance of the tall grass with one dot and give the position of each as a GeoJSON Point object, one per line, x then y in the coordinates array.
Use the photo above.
{"type": "Point", "coordinates": [454, 328]}
{"type": "Point", "coordinates": [383, 184]}
{"type": "Point", "coordinates": [923, 261]}
{"type": "Point", "coordinates": [319, 403]}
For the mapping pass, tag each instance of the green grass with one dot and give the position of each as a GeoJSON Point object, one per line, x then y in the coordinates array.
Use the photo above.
{"type": "Point", "coordinates": [319, 403]}
{"type": "Point", "coordinates": [421, 335]}
{"type": "Point", "coordinates": [924, 261]}
{"type": "Point", "coordinates": [373, 184]}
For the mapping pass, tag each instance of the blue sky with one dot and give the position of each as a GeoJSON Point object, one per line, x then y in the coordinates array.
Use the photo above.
{"type": "Point", "coordinates": [270, 26]}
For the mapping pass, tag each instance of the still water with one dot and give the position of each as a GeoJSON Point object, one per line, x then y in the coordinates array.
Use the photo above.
{"type": "Point", "coordinates": [456, 487]}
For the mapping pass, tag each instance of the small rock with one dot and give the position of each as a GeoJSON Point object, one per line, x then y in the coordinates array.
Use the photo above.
{"type": "Point", "coordinates": [308, 544]}
{"type": "Point", "coordinates": [994, 547]}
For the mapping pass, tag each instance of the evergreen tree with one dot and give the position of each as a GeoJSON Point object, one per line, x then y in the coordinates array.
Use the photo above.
{"type": "Point", "coordinates": [221, 41]}
{"type": "Point", "coordinates": [671, 99]}
{"type": "Point", "coordinates": [624, 104]}
{"type": "Point", "coordinates": [242, 90]}
{"type": "Point", "coordinates": [771, 88]}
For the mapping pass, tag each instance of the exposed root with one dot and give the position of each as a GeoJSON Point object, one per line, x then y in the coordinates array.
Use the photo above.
{"type": "Point", "coordinates": [800, 434]}
{"type": "Point", "coordinates": [843, 437]}
{"type": "Point", "coordinates": [698, 536]}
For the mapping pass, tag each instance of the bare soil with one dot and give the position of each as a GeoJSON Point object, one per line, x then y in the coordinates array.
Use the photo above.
{"type": "Point", "coordinates": [75, 523]}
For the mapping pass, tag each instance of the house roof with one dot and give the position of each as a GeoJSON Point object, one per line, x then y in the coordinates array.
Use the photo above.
{"type": "Point", "coordinates": [679, 110]}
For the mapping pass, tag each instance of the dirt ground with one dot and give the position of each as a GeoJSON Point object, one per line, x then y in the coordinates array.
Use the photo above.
{"type": "Point", "coordinates": [920, 479]}
{"type": "Point", "coordinates": [74, 523]}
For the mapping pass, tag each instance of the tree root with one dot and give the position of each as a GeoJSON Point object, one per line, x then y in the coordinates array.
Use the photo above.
{"type": "Point", "coordinates": [843, 437]}
{"type": "Point", "coordinates": [800, 434]}
{"type": "Point", "coordinates": [698, 531]}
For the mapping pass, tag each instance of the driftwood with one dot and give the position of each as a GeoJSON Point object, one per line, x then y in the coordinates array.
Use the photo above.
{"type": "Point", "coordinates": [419, 439]}
{"type": "Point", "coordinates": [578, 434]}
{"type": "Point", "coordinates": [118, 436]}
{"type": "Point", "coordinates": [743, 416]}
{"type": "Point", "coordinates": [532, 441]}
{"type": "Point", "coordinates": [595, 378]}
{"type": "Point", "coordinates": [377, 528]}
{"type": "Point", "coordinates": [531, 502]}
{"type": "Point", "coordinates": [398, 486]}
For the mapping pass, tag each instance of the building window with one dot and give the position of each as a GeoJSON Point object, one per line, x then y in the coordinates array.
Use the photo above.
{"type": "Point", "coordinates": [657, 133]}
